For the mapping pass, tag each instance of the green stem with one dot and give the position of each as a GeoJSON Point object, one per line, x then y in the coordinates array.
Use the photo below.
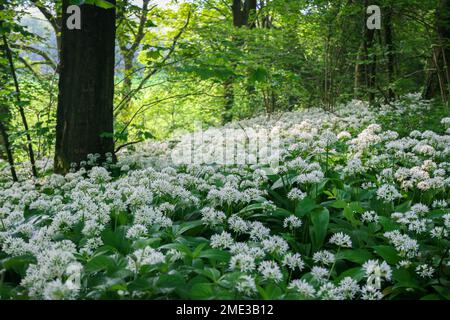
{"type": "Point", "coordinates": [334, 263]}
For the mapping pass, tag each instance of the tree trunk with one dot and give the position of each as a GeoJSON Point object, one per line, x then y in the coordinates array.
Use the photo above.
{"type": "Point", "coordinates": [371, 71]}
{"type": "Point", "coordinates": [86, 88]}
{"type": "Point", "coordinates": [129, 50]}
{"type": "Point", "coordinates": [227, 115]}
{"type": "Point", "coordinates": [244, 14]}
{"type": "Point", "coordinates": [5, 115]}
{"type": "Point", "coordinates": [365, 71]}
{"type": "Point", "coordinates": [127, 81]}
{"type": "Point", "coordinates": [7, 146]}
{"type": "Point", "coordinates": [20, 106]}
{"type": "Point", "coordinates": [388, 35]}
{"type": "Point", "coordinates": [438, 79]}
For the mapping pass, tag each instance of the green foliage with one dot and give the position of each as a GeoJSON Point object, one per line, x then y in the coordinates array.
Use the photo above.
{"type": "Point", "coordinates": [188, 64]}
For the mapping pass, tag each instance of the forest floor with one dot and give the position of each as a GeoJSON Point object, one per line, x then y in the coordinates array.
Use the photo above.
{"type": "Point", "coordinates": [324, 206]}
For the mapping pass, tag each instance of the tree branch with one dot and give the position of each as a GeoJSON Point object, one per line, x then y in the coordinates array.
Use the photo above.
{"type": "Point", "coordinates": [126, 145]}
{"type": "Point", "coordinates": [36, 51]}
{"type": "Point", "coordinates": [48, 15]}
{"type": "Point", "coordinates": [133, 92]}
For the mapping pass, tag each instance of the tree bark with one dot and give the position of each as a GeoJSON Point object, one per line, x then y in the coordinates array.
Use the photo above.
{"type": "Point", "coordinates": [388, 35]}
{"type": "Point", "coordinates": [55, 21]}
{"type": "Point", "coordinates": [7, 146]}
{"type": "Point", "coordinates": [20, 106]}
{"type": "Point", "coordinates": [244, 15]}
{"type": "Point", "coordinates": [438, 79]}
{"type": "Point", "coordinates": [86, 88]}
{"type": "Point", "coordinates": [227, 115]}
{"type": "Point", "coordinates": [128, 51]}
{"type": "Point", "coordinates": [127, 81]}
{"type": "Point", "coordinates": [365, 72]}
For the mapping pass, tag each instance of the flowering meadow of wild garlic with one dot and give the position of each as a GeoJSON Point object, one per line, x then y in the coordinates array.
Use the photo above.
{"type": "Point", "coordinates": [352, 211]}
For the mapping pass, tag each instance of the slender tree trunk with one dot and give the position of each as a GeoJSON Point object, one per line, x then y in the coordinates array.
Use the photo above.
{"type": "Point", "coordinates": [365, 71]}
{"type": "Point", "coordinates": [5, 142]}
{"type": "Point", "coordinates": [129, 50]}
{"type": "Point", "coordinates": [360, 65]}
{"type": "Point", "coordinates": [20, 107]}
{"type": "Point", "coordinates": [371, 71]}
{"type": "Point", "coordinates": [5, 119]}
{"type": "Point", "coordinates": [55, 20]}
{"type": "Point", "coordinates": [388, 35]}
{"type": "Point", "coordinates": [3, 155]}
{"type": "Point", "coordinates": [358, 74]}
{"type": "Point", "coordinates": [431, 87]}
{"type": "Point", "coordinates": [438, 79]}
{"type": "Point", "coordinates": [227, 115]}
{"type": "Point", "coordinates": [86, 88]}
{"type": "Point", "coordinates": [244, 14]}
{"type": "Point", "coordinates": [127, 81]}
{"type": "Point", "coordinates": [4, 112]}
{"type": "Point", "coordinates": [251, 24]}
{"type": "Point", "coordinates": [443, 30]}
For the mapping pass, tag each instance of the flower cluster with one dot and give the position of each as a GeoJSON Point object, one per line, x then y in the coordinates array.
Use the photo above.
{"type": "Point", "coordinates": [348, 210]}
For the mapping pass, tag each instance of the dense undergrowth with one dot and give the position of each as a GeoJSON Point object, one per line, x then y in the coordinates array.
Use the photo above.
{"type": "Point", "coordinates": [355, 210]}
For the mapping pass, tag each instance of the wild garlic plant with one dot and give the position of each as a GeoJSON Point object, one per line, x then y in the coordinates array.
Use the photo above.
{"type": "Point", "coordinates": [351, 212]}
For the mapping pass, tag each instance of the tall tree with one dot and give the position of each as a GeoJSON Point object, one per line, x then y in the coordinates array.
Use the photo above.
{"type": "Point", "coordinates": [390, 49]}
{"type": "Point", "coordinates": [129, 38]}
{"type": "Point", "coordinates": [19, 103]}
{"type": "Point", "coordinates": [86, 87]}
{"type": "Point", "coordinates": [244, 15]}
{"type": "Point", "coordinates": [365, 66]}
{"type": "Point", "coordinates": [5, 116]}
{"type": "Point", "coordinates": [438, 79]}
{"type": "Point", "coordinates": [53, 15]}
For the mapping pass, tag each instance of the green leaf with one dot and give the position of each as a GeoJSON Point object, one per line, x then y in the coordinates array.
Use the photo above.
{"type": "Point", "coordinates": [150, 24]}
{"type": "Point", "coordinates": [117, 239]}
{"type": "Point", "coordinates": [339, 204]}
{"type": "Point", "coordinates": [259, 74]}
{"type": "Point", "coordinates": [388, 253]}
{"type": "Point", "coordinates": [305, 206]}
{"type": "Point", "coordinates": [198, 250]}
{"type": "Point", "coordinates": [143, 243]}
{"type": "Point", "coordinates": [141, 284]}
{"type": "Point", "coordinates": [202, 291]}
{"type": "Point", "coordinates": [211, 273]}
{"type": "Point", "coordinates": [357, 274]}
{"type": "Point", "coordinates": [178, 246]}
{"type": "Point", "coordinates": [403, 207]}
{"type": "Point", "coordinates": [19, 264]}
{"type": "Point", "coordinates": [388, 224]}
{"type": "Point", "coordinates": [100, 263]}
{"type": "Point", "coordinates": [103, 4]}
{"type": "Point", "coordinates": [152, 54]}
{"type": "Point", "coordinates": [355, 255]}
{"type": "Point", "coordinates": [349, 212]}
{"type": "Point", "coordinates": [170, 281]}
{"type": "Point", "coordinates": [318, 230]}
{"type": "Point", "coordinates": [186, 226]}
{"type": "Point", "coordinates": [216, 255]}
{"type": "Point", "coordinates": [431, 297]}
{"type": "Point", "coordinates": [405, 279]}
{"type": "Point", "coordinates": [252, 207]}
{"type": "Point", "coordinates": [283, 182]}
{"type": "Point", "coordinates": [349, 215]}
{"type": "Point", "coordinates": [270, 292]}
{"type": "Point", "coordinates": [445, 292]}
{"type": "Point", "coordinates": [282, 213]}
